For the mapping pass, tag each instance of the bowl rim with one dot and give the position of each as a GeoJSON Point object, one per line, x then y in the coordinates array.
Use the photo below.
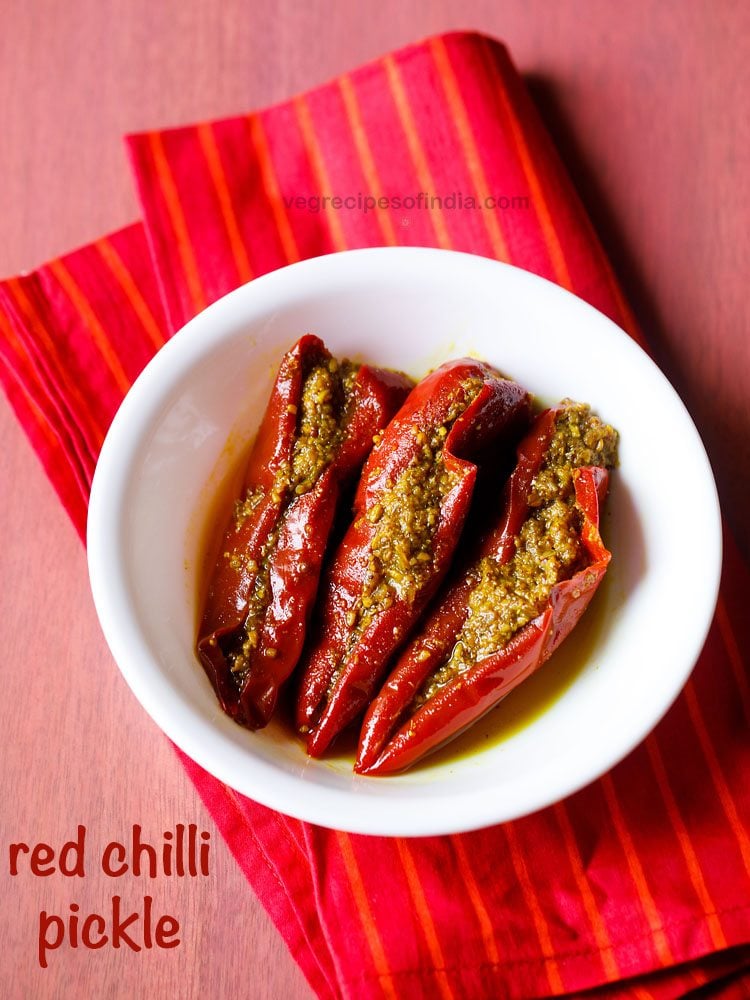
{"type": "Point", "coordinates": [193, 734]}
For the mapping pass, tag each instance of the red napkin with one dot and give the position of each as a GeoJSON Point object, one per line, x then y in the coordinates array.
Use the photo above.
{"type": "Point", "coordinates": [643, 876]}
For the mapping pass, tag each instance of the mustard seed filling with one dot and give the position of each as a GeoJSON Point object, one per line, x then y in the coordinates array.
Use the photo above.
{"type": "Point", "coordinates": [322, 417]}
{"type": "Point", "coordinates": [547, 549]}
{"type": "Point", "coordinates": [320, 425]}
{"type": "Point", "coordinates": [242, 645]}
{"type": "Point", "coordinates": [406, 516]}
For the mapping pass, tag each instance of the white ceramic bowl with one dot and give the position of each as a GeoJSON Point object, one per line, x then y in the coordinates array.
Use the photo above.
{"type": "Point", "coordinates": [182, 429]}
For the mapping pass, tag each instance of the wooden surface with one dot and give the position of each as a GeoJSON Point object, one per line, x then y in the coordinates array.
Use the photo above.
{"type": "Point", "coordinates": [648, 102]}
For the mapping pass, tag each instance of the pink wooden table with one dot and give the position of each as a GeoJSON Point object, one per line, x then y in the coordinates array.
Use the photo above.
{"type": "Point", "coordinates": [648, 102]}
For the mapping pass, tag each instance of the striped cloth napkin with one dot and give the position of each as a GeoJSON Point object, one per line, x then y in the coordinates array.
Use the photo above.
{"type": "Point", "coordinates": [637, 886]}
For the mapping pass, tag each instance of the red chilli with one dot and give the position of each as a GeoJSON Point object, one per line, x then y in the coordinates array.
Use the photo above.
{"type": "Point", "coordinates": [458, 412]}
{"type": "Point", "coordinates": [280, 542]}
{"type": "Point", "coordinates": [395, 734]}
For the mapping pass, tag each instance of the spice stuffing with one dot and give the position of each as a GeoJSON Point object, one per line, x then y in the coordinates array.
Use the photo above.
{"type": "Point", "coordinates": [321, 424]}
{"type": "Point", "coordinates": [406, 515]}
{"type": "Point", "coordinates": [508, 596]}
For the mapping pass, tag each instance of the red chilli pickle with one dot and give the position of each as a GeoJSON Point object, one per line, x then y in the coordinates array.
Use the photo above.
{"type": "Point", "coordinates": [317, 430]}
{"type": "Point", "coordinates": [524, 590]}
{"type": "Point", "coordinates": [410, 507]}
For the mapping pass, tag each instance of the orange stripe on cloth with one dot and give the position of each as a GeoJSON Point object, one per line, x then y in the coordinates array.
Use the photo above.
{"type": "Point", "coordinates": [173, 205]}
{"type": "Point", "coordinates": [466, 138]}
{"type": "Point", "coordinates": [661, 944]}
{"type": "Point", "coordinates": [551, 238]}
{"type": "Point", "coordinates": [717, 775]}
{"type": "Point", "coordinates": [733, 653]}
{"type": "Point", "coordinates": [317, 164]}
{"type": "Point", "coordinates": [81, 411]}
{"type": "Point", "coordinates": [370, 928]}
{"type": "Point", "coordinates": [598, 926]}
{"type": "Point", "coordinates": [40, 417]}
{"type": "Point", "coordinates": [416, 151]}
{"type": "Point", "coordinates": [242, 818]}
{"type": "Point", "coordinates": [554, 247]}
{"type": "Point", "coordinates": [425, 917]}
{"type": "Point", "coordinates": [22, 372]}
{"type": "Point", "coordinates": [537, 915]}
{"type": "Point", "coordinates": [124, 278]}
{"type": "Point", "coordinates": [475, 897]}
{"type": "Point", "coordinates": [207, 141]}
{"type": "Point", "coordinates": [692, 864]}
{"type": "Point", "coordinates": [366, 160]}
{"type": "Point", "coordinates": [271, 188]}
{"type": "Point", "coordinates": [86, 311]}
